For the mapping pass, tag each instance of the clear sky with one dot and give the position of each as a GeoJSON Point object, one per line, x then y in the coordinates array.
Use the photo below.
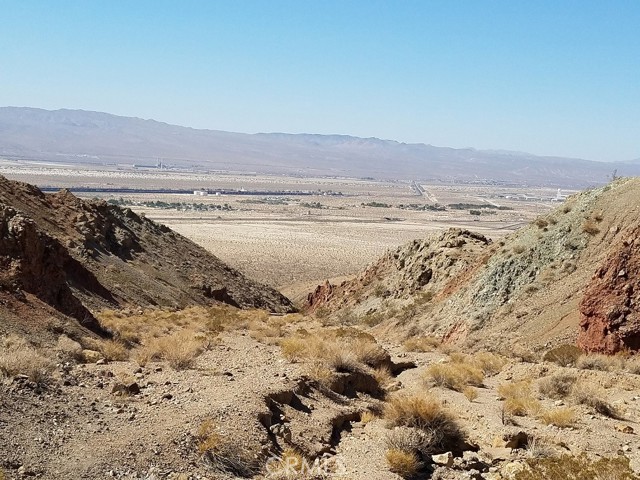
{"type": "Point", "coordinates": [551, 77]}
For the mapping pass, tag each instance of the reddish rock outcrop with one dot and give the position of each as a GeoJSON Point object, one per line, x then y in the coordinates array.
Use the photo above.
{"type": "Point", "coordinates": [610, 309]}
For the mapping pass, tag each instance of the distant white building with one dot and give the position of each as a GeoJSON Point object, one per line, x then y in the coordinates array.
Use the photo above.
{"type": "Point", "coordinates": [200, 193]}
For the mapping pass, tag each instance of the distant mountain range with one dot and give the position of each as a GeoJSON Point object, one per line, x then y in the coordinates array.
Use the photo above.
{"type": "Point", "coordinates": [77, 136]}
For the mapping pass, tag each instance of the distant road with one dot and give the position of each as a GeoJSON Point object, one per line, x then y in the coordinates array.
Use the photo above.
{"type": "Point", "coordinates": [178, 191]}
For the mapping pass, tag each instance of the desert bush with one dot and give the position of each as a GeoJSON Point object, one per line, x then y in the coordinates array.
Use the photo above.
{"type": "Point", "coordinates": [409, 439]}
{"type": "Point", "coordinates": [425, 413]}
{"type": "Point", "coordinates": [518, 399]}
{"type": "Point", "coordinates": [18, 357]}
{"type": "Point", "coordinates": [369, 352]}
{"type": "Point", "coordinates": [454, 375]}
{"type": "Point", "coordinates": [557, 386]}
{"type": "Point", "coordinates": [402, 463]}
{"type": "Point", "coordinates": [595, 361]}
{"type": "Point", "coordinates": [294, 349]}
{"type": "Point", "coordinates": [421, 344]}
{"type": "Point", "coordinates": [590, 227]}
{"type": "Point", "coordinates": [290, 465]}
{"type": "Point", "coordinates": [577, 468]}
{"type": "Point", "coordinates": [488, 362]}
{"type": "Point", "coordinates": [585, 394]}
{"type": "Point", "coordinates": [564, 355]}
{"type": "Point", "coordinates": [220, 454]}
{"type": "Point", "coordinates": [113, 350]}
{"type": "Point", "coordinates": [470, 393]}
{"type": "Point", "coordinates": [368, 416]}
{"type": "Point", "coordinates": [179, 350]}
{"type": "Point", "coordinates": [519, 249]}
{"type": "Point", "coordinates": [343, 359]}
{"type": "Point", "coordinates": [560, 417]}
{"type": "Point", "coordinates": [372, 319]}
{"type": "Point", "coordinates": [633, 365]}
{"type": "Point", "coordinates": [383, 376]}
{"type": "Point", "coordinates": [541, 222]}
{"type": "Point", "coordinates": [538, 447]}
{"type": "Point", "coordinates": [342, 349]}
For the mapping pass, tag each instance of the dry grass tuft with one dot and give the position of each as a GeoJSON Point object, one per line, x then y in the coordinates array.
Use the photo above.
{"type": "Point", "coordinates": [561, 417]}
{"type": "Point", "coordinates": [69, 350]}
{"type": "Point", "coordinates": [338, 350]}
{"type": "Point", "coordinates": [455, 376]}
{"type": "Point", "coordinates": [421, 344]}
{"type": "Point", "coordinates": [18, 357]}
{"type": "Point", "coordinates": [519, 399]}
{"type": "Point", "coordinates": [291, 464]}
{"type": "Point", "coordinates": [633, 365]}
{"type": "Point", "coordinates": [470, 393]}
{"type": "Point", "coordinates": [488, 362]}
{"type": "Point", "coordinates": [402, 463]}
{"type": "Point", "coordinates": [367, 417]}
{"type": "Point", "coordinates": [113, 350]}
{"type": "Point", "coordinates": [595, 361]}
{"type": "Point", "coordinates": [585, 394]}
{"type": "Point", "coordinates": [220, 454]}
{"type": "Point", "coordinates": [179, 350]}
{"type": "Point", "coordinates": [438, 428]}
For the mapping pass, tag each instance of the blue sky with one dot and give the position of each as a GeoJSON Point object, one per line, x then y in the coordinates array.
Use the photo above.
{"type": "Point", "coordinates": [547, 77]}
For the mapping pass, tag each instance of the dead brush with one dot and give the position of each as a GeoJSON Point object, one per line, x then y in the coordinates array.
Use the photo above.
{"type": "Point", "coordinates": [341, 349]}
{"type": "Point", "coordinates": [421, 344]}
{"type": "Point", "coordinates": [179, 350]}
{"type": "Point", "coordinates": [402, 463]}
{"type": "Point", "coordinates": [561, 417]}
{"type": "Point", "coordinates": [563, 355]}
{"type": "Point", "coordinates": [603, 363]}
{"type": "Point", "coordinates": [585, 394]}
{"type": "Point", "coordinates": [18, 357]}
{"type": "Point", "coordinates": [221, 455]}
{"type": "Point", "coordinates": [557, 386]}
{"type": "Point", "coordinates": [518, 399]}
{"type": "Point", "coordinates": [408, 439]}
{"type": "Point", "coordinates": [453, 375]}
{"type": "Point", "coordinates": [425, 413]}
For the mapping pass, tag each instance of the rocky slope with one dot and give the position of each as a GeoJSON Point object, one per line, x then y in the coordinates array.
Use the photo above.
{"type": "Point", "coordinates": [572, 273]}
{"type": "Point", "coordinates": [62, 257]}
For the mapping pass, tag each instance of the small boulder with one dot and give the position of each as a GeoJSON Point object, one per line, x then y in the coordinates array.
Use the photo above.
{"type": "Point", "coordinates": [91, 356]}
{"type": "Point", "coordinates": [445, 459]}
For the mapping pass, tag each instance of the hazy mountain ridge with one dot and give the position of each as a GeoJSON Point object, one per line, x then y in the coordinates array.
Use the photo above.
{"type": "Point", "coordinates": [101, 138]}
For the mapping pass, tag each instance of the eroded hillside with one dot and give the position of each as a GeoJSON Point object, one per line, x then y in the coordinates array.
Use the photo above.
{"type": "Point", "coordinates": [571, 272]}
{"type": "Point", "coordinates": [62, 257]}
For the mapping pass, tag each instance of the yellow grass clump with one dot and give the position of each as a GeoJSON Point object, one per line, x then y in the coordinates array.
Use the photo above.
{"type": "Point", "coordinates": [470, 393]}
{"type": "Point", "coordinates": [403, 464]}
{"type": "Point", "coordinates": [560, 417]}
{"type": "Point", "coordinates": [518, 399]}
{"type": "Point", "coordinates": [421, 344]}
{"type": "Point", "coordinates": [453, 375]}
{"type": "Point", "coordinates": [18, 357]}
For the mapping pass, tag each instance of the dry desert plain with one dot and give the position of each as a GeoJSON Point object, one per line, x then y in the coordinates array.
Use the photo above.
{"type": "Point", "coordinates": [295, 241]}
